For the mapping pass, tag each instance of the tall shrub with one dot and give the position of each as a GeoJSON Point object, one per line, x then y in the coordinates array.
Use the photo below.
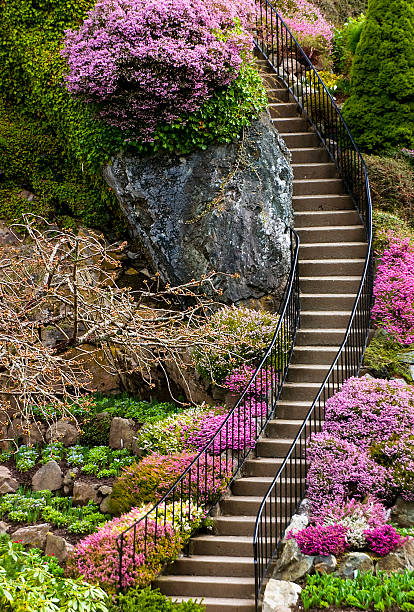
{"type": "Point", "coordinates": [380, 110]}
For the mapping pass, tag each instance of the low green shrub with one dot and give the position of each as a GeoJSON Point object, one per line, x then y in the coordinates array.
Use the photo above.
{"type": "Point", "coordinates": [30, 507]}
{"type": "Point", "coordinates": [148, 600]}
{"type": "Point", "coordinates": [380, 592]}
{"type": "Point", "coordinates": [32, 582]}
{"type": "Point", "coordinates": [392, 185]}
{"type": "Point", "coordinates": [384, 222]}
{"type": "Point", "coordinates": [345, 41]}
{"type": "Point", "coordinates": [386, 357]}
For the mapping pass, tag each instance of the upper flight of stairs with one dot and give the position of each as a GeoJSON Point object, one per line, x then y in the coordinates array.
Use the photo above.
{"type": "Point", "coordinates": [333, 248]}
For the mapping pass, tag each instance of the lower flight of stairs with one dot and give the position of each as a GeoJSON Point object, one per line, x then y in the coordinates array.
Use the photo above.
{"type": "Point", "coordinates": [220, 569]}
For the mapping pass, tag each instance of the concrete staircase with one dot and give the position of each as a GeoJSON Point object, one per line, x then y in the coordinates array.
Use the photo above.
{"type": "Point", "coordinates": [220, 569]}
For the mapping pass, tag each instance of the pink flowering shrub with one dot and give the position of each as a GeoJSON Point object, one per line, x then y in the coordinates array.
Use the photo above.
{"type": "Point", "coordinates": [237, 381]}
{"type": "Point", "coordinates": [383, 540]}
{"type": "Point", "coordinates": [394, 289]}
{"type": "Point", "coordinates": [150, 479]}
{"type": "Point", "coordinates": [96, 556]}
{"type": "Point", "coordinates": [368, 411]}
{"type": "Point", "coordinates": [340, 470]}
{"type": "Point", "coordinates": [397, 454]}
{"type": "Point", "coordinates": [308, 25]}
{"type": "Point", "coordinates": [321, 540]}
{"type": "Point", "coordinates": [145, 62]}
{"type": "Point", "coordinates": [239, 432]}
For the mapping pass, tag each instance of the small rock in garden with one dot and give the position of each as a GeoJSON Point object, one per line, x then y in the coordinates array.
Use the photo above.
{"type": "Point", "coordinates": [325, 565]}
{"type": "Point", "coordinates": [8, 484]}
{"type": "Point", "coordinates": [105, 490]}
{"type": "Point", "coordinates": [33, 535]}
{"type": "Point", "coordinates": [64, 432]}
{"type": "Point", "coordinates": [353, 562]}
{"type": "Point", "coordinates": [280, 596]}
{"type": "Point", "coordinates": [403, 513]}
{"type": "Point", "coordinates": [48, 477]}
{"type": "Point", "coordinates": [401, 559]}
{"type": "Point", "coordinates": [292, 564]}
{"type": "Point", "coordinates": [304, 507]}
{"type": "Point", "coordinates": [69, 479]}
{"type": "Point", "coordinates": [33, 433]}
{"type": "Point", "coordinates": [83, 492]}
{"type": "Point", "coordinates": [298, 522]}
{"type": "Point", "coordinates": [4, 527]}
{"type": "Point", "coordinates": [57, 547]}
{"type": "Point", "coordinates": [122, 433]}
{"type": "Point", "coordinates": [105, 506]}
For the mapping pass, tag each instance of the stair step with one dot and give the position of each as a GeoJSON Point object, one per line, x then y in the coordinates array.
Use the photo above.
{"type": "Point", "coordinates": [206, 586]}
{"type": "Point", "coordinates": [323, 218]}
{"type": "Point", "coordinates": [213, 565]}
{"type": "Point", "coordinates": [311, 155]}
{"type": "Point", "coordinates": [217, 604]}
{"type": "Point", "coordinates": [298, 392]}
{"type": "Point", "coordinates": [321, 267]}
{"type": "Point", "coordinates": [326, 250]}
{"type": "Point", "coordinates": [259, 485]}
{"type": "Point", "coordinates": [318, 355]}
{"type": "Point", "coordinates": [322, 202]}
{"type": "Point", "coordinates": [289, 125]}
{"type": "Point", "coordinates": [237, 505]}
{"type": "Point", "coordinates": [305, 373]}
{"type": "Point", "coordinates": [318, 186]}
{"type": "Point", "coordinates": [326, 337]}
{"type": "Point", "coordinates": [341, 233]}
{"type": "Point", "coordinates": [226, 546]}
{"type": "Point", "coordinates": [292, 409]}
{"type": "Point", "coordinates": [321, 319]}
{"type": "Point", "coordinates": [240, 525]}
{"type": "Point", "coordinates": [269, 466]}
{"type": "Point", "coordinates": [314, 170]}
{"type": "Point", "coordinates": [278, 95]}
{"type": "Point", "coordinates": [269, 447]}
{"type": "Point", "coordinates": [285, 109]}
{"type": "Point", "coordinates": [327, 301]}
{"type": "Point", "coordinates": [300, 139]}
{"type": "Point", "coordinates": [329, 284]}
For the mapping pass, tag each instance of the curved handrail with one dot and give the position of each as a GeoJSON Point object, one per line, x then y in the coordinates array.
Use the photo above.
{"type": "Point", "coordinates": [294, 68]}
{"type": "Point", "coordinates": [222, 457]}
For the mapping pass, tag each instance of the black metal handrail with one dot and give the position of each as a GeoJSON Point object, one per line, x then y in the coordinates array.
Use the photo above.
{"type": "Point", "coordinates": [224, 454]}
{"type": "Point", "coordinates": [295, 70]}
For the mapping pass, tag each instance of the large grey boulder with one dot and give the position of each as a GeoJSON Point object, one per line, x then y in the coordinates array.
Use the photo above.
{"type": "Point", "coordinates": [223, 209]}
{"type": "Point", "coordinates": [33, 535]}
{"type": "Point", "coordinates": [292, 565]}
{"type": "Point", "coordinates": [49, 477]}
{"type": "Point", "coordinates": [280, 596]}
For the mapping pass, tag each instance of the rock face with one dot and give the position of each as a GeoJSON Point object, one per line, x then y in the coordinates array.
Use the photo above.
{"type": "Point", "coordinates": [48, 477]}
{"type": "Point", "coordinates": [280, 596]}
{"type": "Point", "coordinates": [223, 209]}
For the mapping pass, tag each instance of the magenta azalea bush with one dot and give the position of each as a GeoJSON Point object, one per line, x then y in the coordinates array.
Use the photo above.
{"type": "Point", "coordinates": [96, 557]}
{"type": "Point", "coordinates": [340, 470]}
{"type": "Point", "coordinates": [383, 540]}
{"type": "Point", "coordinates": [237, 380]}
{"type": "Point", "coordinates": [367, 411]}
{"type": "Point", "coordinates": [321, 540]}
{"type": "Point", "coordinates": [145, 62]}
{"type": "Point", "coordinates": [394, 289]}
{"type": "Point", "coordinates": [308, 25]}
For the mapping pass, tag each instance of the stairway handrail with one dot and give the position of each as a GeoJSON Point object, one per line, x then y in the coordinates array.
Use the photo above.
{"type": "Point", "coordinates": [290, 478]}
{"type": "Point", "coordinates": [269, 375]}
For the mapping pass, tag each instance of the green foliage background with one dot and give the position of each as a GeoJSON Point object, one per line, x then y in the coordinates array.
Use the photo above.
{"type": "Point", "coordinates": [380, 110]}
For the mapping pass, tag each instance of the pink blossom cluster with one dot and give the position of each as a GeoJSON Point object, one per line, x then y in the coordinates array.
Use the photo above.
{"type": "Point", "coordinates": [370, 509]}
{"type": "Point", "coordinates": [321, 540]}
{"type": "Point", "coordinates": [148, 61]}
{"type": "Point", "coordinates": [383, 540]}
{"type": "Point", "coordinates": [96, 557]}
{"type": "Point", "coordinates": [307, 23]}
{"type": "Point", "coordinates": [394, 289]}
{"type": "Point", "coordinates": [238, 433]}
{"type": "Point", "coordinates": [237, 381]}
{"type": "Point", "coordinates": [367, 411]}
{"type": "Point", "coordinates": [340, 470]}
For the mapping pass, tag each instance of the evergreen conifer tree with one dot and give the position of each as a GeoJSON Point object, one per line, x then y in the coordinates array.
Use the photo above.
{"type": "Point", "coordinates": [380, 111]}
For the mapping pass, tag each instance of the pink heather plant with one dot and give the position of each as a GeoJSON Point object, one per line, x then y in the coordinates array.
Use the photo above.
{"type": "Point", "coordinates": [340, 470]}
{"type": "Point", "coordinates": [394, 289]}
{"type": "Point", "coordinates": [321, 540]}
{"type": "Point", "coordinates": [383, 540]}
{"type": "Point", "coordinates": [96, 556]}
{"type": "Point", "coordinates": [370, 509]}
{"type": "Point", "coordinates": [237, 381]}
{"type": "Point", "coordinates": [145, 62]}
{"type": "Point", "coordinates": [368, 411]}
{"type": "Point", "coordinates": [307, 24]}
